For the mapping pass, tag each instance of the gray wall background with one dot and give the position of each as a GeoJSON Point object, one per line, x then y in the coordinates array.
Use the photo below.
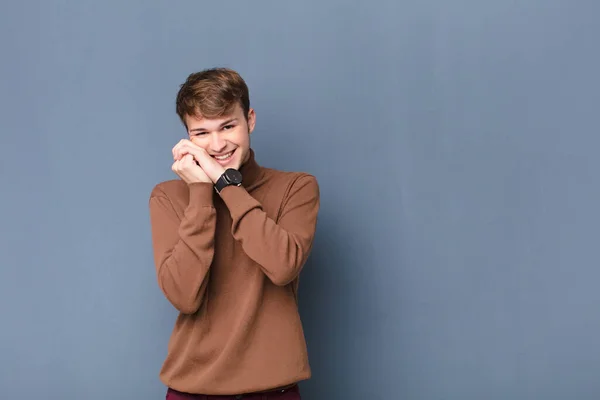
{"type": "Point", "coordinates": [455, 144]}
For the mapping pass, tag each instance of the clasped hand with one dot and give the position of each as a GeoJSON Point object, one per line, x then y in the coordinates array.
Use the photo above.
{"type": "Point", "coordinates": [193, 164]}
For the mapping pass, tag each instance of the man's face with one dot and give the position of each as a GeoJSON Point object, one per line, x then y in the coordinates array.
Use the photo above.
{"type": "Point", "coordinates": [226, 139]}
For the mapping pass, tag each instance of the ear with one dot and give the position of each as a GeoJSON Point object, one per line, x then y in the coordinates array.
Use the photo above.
{"type": "Point", "coordinates": [251, 120]}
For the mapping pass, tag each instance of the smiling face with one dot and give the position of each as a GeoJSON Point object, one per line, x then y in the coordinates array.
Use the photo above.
{"type": "Point", "coordinates": [226, 139]}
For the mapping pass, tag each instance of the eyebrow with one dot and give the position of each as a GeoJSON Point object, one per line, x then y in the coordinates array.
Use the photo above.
{"type": "Point", "coordinates": [229, 121]}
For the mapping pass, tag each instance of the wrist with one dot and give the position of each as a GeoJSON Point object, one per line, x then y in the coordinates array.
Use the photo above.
{"type": "Point", "coordinates": [218, 174]}
{"type": "Point", "coordinates": [230, 177]}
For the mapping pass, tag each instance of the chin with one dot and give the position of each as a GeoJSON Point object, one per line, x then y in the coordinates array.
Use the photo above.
{"type": "Point", "coordinates": [235, 161]}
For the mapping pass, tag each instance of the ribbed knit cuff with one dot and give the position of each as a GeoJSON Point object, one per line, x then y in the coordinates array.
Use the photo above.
{"type": "Point", "coordinates": [201, 193]}
{"type": "Point", "coordinates": [238, 201]}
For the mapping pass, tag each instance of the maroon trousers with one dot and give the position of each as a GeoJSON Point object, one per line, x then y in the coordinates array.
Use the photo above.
{"type": "Point", "coordinates": [292, 393]}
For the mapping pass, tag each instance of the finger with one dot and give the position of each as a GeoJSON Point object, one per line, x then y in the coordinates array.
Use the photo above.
{"type": "Point", "coordinates": [195, 152]}
{"type": "Point", "coordinates": [199, 154]}
{"type": "Point", "coordinates": [174, 149]}
{"type": "Point", "coordinates": [180, 165]}
{"type": "Point", "coordinates": [182, 151]}
{"type": "Point", "coordinates": [177, 148]}
{"type": "Point", "coordinates": [209, 165]}
{"type": "Point", "coordinates": [187, 161]}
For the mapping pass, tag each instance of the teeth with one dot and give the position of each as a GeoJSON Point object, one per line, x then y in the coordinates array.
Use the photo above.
{"type": "Point", "coordinates": [226, 156]}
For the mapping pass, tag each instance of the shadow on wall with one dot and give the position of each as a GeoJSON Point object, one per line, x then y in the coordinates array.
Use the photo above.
{"type": "Point", "coordinates": [338, 305]}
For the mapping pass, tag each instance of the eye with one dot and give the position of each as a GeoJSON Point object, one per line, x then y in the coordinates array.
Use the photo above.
{"type": "Point", "coordinates": [198, 133]}
{"type": "Point", "coordinates": [227, 127]}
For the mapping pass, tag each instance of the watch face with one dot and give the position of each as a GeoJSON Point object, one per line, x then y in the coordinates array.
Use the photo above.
{"type": "Point", "coordinates": [234, 176]}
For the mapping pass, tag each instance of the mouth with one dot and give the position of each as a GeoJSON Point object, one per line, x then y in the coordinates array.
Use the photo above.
{"type": "Point", "coordinates": [224, 158]}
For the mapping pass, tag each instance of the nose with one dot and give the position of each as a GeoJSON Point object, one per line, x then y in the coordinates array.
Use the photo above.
{"type": "Point", "coordinates": [217, 143]}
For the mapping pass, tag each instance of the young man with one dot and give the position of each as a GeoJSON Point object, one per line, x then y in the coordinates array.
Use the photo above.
{"type": "Point", "coordinates": [230, 238]}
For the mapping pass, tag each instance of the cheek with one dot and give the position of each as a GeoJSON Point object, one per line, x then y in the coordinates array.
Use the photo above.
{"type": "Point", "coordinates": [198, 142]}
{"type": "Point", "coordinates": [241, 139]}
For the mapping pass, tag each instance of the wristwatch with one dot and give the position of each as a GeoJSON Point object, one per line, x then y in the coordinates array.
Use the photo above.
{"type": "Point", "coordinates": [231, 177]}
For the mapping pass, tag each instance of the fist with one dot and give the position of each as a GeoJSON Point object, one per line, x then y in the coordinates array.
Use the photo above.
{"type": "Point", "coordinates": [211, 168]}
{"type": "Point", "coordinates": [187, 169]}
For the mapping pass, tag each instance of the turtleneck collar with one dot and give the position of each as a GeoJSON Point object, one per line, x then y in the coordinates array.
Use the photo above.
{"type": "Point", "coordinates": [250, 170]}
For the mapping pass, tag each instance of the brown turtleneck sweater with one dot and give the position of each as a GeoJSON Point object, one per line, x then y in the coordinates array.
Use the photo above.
{"type": "Point", "coordinates": [230, 264]}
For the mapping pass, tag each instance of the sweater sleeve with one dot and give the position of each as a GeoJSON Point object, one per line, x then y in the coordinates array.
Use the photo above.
{"type": "Point", "coordinates": [282, 248]}
{"type": "Point", "coordinates": [183, 246]}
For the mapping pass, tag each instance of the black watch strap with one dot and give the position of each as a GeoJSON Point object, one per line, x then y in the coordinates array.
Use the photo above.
{"type": "Point", "coordinates": [228, 178]}
{"type": "Point", "coordinates": [220, 184]}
